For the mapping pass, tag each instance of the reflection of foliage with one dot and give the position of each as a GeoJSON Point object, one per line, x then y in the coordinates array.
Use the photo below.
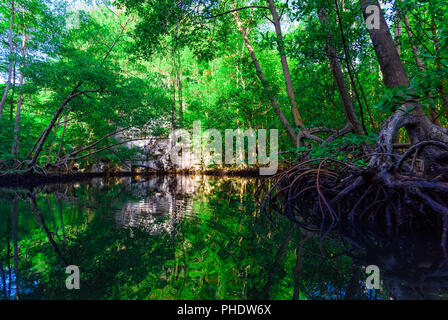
{"type": "Point", "coordinates": [225, 250]}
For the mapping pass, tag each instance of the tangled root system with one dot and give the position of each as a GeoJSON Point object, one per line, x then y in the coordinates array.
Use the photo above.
{"type": "Point", "coordinates": [325, 194]}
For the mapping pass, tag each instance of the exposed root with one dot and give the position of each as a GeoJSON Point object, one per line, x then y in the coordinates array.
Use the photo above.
{"type": "Point", "coordinates": [396, 194]}
{"type": "Point", "coordinates": [328, 194]}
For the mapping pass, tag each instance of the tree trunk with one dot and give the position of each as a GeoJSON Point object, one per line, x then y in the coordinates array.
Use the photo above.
{"type": "Point", "coordinates": [300, 253]}
{"type": "Point", "coordinates": [276, 263]}
{"type": "Point", "coordinates": [15, 146]}
{"type": "Point", "coordinates": [383, 44]}
{"type": "Point", "coordinates": [410, 115]}
{"type": "Point", "coordinates": [350, 70]}
{"type": "Point", "coordinates": [173, 106]}
{"type": "Point", "coordinates": [263, 80]}
{"type": "Point", "coordinates": [53, 141]}
{"type": "Point", "coordinates": [11, 106]}
{"type": "Point", "coordinates": [11, 61]}
{"type": "Point", "coordinates": [181, 103]}
{"type": "Point", "coordinates": [336, 69]}
{"type": "Point", "coordinates": [63, 135]}
{"type": "Point", "coordinates": [281, 48]}
{"type": "Point", "coordinates": [50, 126]}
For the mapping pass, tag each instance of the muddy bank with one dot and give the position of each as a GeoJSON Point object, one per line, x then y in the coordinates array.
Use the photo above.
{"type": "Point", "coordinates": [30, 180]}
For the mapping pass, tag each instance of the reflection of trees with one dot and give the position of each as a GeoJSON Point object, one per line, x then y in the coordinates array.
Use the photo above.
{"type": "Point", "coordinates": [411, 266]}
{"type": "Point", "coordinates": [221, 247]}
{"type": "Point", "coordinates": [61, 217]}
{"type": "Point", "coordinates": [300, 254]}
{"type": "Point", "coordinates": [41, 222]}
{"type": "Point", "coordinates": [11, 229]}
{"type": "Point", "coordinates": [14, 224]}
{"type": "Point", "coordinates": [3, 279]}
{"type": "Point", "coordinates": [14, 197]}
{"type": "Point", "coordinates": [278, 258]}
{"type": "Point", "coordinates": [101, 252]}
{"type": "Point", "coordinates": [163, 201]}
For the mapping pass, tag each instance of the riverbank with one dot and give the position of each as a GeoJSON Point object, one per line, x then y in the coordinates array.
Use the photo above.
{"type": "Point", "coordinates": [30, 180]}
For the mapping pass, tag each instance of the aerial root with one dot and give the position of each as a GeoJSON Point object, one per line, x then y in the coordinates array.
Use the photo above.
{"type": "Point", "coordinates": [325, 194]}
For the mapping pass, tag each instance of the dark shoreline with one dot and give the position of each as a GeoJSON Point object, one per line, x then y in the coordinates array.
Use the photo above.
{"type": "Point", "coordinates": [34, 180]}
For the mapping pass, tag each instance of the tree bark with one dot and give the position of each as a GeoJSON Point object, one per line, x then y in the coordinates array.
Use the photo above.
{"type": "Point", "coordinates": [91, 145]}
{"type": "Point", "coordinates": [11, 61]}
{"type": "Point", "coordinates": [45, 134]}
{"type": "Point", "coordinates": [263, 80]}
{"type": "Point", "coordinates": [286, 73]}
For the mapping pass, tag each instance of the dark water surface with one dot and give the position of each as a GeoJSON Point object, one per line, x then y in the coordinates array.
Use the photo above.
{"type": "Point", "coordinates": [186, 237]}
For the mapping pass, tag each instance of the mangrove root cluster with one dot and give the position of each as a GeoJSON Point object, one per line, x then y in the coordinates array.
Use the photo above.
{"type": "Point", "coordinates": [325, 194]}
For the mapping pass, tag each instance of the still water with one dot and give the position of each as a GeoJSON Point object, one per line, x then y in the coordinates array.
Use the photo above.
{"type": "Point", "coordinates": [185, 237]}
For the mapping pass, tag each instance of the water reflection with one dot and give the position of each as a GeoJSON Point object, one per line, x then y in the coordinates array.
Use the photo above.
{"type": "Point", "coordinates": [164, 201]}
{"type": "Point", "coordinates": [412, 266]}
{"type": "Point", "coordinates": [190, 237]}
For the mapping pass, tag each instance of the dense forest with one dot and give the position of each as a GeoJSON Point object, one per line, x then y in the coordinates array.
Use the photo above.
{"type": "Point", "coordinates": [357, 90]}
{"type": "Point", "coordinates": [75, 74]}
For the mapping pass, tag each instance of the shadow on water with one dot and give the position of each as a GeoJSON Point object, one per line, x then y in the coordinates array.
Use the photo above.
{"type": "Point", "coordinates": [192, 237]}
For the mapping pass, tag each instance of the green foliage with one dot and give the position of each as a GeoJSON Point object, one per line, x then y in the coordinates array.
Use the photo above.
{"type": "Point", "coordinates": [347, 149]}
{"type": "Point", "coordinates": [198, 42]}
{"type": "Point", "coordinates": [92, 54]}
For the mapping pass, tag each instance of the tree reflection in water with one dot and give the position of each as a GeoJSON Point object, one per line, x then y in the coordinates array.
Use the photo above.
{"type": "Point", "coordinates": [186, 237]}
